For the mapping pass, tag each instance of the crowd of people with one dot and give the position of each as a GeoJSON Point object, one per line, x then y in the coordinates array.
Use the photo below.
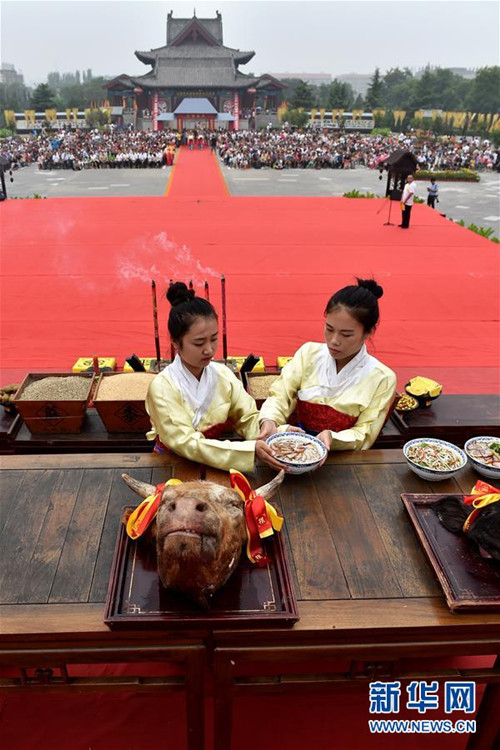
{"type": "Point", "coordinates": [288, 149]}
{"type": "Point", "coordinates": [246, 149]}
{"type": "Point", "coordinates": [92, 150]}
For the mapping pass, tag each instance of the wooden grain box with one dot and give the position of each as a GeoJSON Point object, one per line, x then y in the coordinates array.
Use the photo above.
{"type": "Point", "coordinates": [259, 384]}
{"type": "Point", "coordinates": [122, 415]}
{"type": "Point", "coordinates": [56, 415]}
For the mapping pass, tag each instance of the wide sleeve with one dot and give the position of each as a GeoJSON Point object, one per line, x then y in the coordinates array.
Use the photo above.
{"type": "Point", "coordinates": [172, 423]}
{"type": "Point", "coordinates": [364, 432]}
{"type": "Point", "coordinates": [243, 411]}
{"type": "Point", "coordinates": [283, 393]}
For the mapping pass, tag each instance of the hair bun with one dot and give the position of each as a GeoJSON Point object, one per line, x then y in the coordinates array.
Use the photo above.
{"type": "Point", "coordinates": [178, 293]}
{"type": "Point", "coordinates": [372, 286]}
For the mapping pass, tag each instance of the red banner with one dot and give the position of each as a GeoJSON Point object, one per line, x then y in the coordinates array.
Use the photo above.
{"type": "Point", "coordinates": [236, 111]}
{"type": "Point", "coordinates": [155, 111]}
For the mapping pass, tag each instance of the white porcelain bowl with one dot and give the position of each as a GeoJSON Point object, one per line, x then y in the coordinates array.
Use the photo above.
{"type": "Point", "coordinates": [487, 471]}
{"type": "Point", "coordinates": [295, 467]}
{"type": "Point", "coordinates": [434, 475]}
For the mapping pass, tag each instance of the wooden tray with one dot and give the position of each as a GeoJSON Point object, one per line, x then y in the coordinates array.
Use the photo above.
{"type": "Point", "coordinates": [469, 581]}
{"type": "Point", "coordinates": [252, 597]}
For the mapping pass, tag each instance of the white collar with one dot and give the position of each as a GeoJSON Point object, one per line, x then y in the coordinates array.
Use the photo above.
{"type": "Point", "coordinates": [198, 394]}
{"type": "Point", "coordinates": [331, 383]}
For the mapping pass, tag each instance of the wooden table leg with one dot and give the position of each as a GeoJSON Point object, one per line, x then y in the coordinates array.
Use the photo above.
{"type": "Point", "coordinates": [487, 735]}
{"type": "Point", "coordinates": [223, 700]}
{"type": "Point", "coordinates": [195, 698]}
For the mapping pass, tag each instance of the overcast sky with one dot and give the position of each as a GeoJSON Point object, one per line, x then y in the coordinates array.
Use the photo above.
{"type": "Point", "coordinates": [332, 36]}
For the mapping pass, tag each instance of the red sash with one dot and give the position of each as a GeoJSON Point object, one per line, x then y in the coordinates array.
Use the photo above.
{"type": "Point", "coordinates": [319, 417]}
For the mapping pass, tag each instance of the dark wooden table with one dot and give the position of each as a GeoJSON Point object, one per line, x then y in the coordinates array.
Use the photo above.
{"type": "Point", "coordinates": [365, 591]}
{"type": "Point", "coordinates": [453, 418]}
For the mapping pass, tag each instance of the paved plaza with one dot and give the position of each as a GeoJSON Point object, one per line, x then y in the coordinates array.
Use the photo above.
{"type": "Point", "coordinates": [474, 202]}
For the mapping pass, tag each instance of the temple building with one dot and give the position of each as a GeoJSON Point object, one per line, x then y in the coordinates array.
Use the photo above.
{"type": "Point", "coordinates": [195, 81]}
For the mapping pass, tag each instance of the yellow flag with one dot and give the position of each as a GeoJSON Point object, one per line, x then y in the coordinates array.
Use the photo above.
{"type": "Point", "coordinates": [10, 117]}
{"type": "Point", "coordinates": [29, 115]}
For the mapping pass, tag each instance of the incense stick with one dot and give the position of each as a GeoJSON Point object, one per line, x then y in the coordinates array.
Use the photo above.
{"type": "Point", "coordinates": [224, 325]}
{"type": "Point", "coordinates": [172, 350]}
{"type": "Point", "coordinates": [207, 292]}
{"type": "Point", "coordinates": [155, 321]}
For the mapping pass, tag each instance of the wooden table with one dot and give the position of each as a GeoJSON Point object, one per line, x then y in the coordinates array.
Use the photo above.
{"type": "Point", "coordinates": [365, 591]}
{"type": "Point", "coordinates": [453, 418]}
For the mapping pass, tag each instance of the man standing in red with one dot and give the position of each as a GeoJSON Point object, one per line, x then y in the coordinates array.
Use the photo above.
{"type": "Point", "coordinates": [407, 201]}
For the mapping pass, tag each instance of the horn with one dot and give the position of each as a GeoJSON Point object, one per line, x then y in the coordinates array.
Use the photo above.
{"type": "Point", "coordinates": [143, 489]}
{"type": "Point", "coordinates": [269, 489]}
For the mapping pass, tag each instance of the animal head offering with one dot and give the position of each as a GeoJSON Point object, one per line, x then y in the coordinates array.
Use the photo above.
{"type": "Point", "coordinates": [477, 516]}
{"type": "Point", "coordinates": [199, 530]}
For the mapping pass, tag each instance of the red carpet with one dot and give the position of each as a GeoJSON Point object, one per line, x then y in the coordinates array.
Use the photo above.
{"type": "Point", "coordinates": [76, 281]}
{"type": "Point", "coordinates": [76, 276]}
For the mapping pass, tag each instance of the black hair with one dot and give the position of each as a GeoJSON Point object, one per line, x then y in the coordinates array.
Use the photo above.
{"type": "Point", "coordinates": [186, 307]}
{"type": "Point", "coordinates": [360, 300]}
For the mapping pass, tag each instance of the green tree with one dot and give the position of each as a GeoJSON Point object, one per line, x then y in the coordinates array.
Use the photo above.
{"type": "Point", "coordinates": [296, 117]}
{"type": "Point", "coordinates": [375, 94]}
{"type": "Point", "coordinates": [398, 88]}
{"type": "Point", "coordinates": [14, 96]}
{"type": "Point", "coordinates": [485, 91]}
{"type": "Point", "coordinates": [341, 95]}
{"type": "Point", "coordinates": [359, 102]}
{"type": "Point", "coordinates": [43, 98]}
{"type": "Point", "coordinates": [302, 96]}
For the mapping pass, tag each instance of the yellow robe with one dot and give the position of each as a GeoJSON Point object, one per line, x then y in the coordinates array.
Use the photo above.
{"type": "Point", "coordinates": [364, 389]}
{"type": "Point", "coordinates": [172, 420]}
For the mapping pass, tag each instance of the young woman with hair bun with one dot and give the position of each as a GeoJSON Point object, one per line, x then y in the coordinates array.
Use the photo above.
{"type": "Point", "coordinates": [194, 400]}
{"type": "Point", "coordinates": [336, 390]}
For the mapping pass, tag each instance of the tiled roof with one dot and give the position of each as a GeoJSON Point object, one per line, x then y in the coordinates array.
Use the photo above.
{"type": "Point", "coordinates": [194, 51]}
{"type": "Point", "coordinates": [208, 72]}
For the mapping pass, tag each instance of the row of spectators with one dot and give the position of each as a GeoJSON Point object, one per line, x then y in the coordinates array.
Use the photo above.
{"type": "Point", "coordinates": [245, 149]}
{"type": "Point", "coordinates": [286, 149]}
{"type": "Point", "coordinates": [92, 150]}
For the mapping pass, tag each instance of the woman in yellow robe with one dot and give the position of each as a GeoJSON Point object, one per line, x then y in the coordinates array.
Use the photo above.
{"type": "Point", "coordinates": [194, 400]}
{"type": "Point", "coordinates": [336, 390]}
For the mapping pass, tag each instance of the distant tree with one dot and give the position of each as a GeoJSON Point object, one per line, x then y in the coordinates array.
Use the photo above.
{"type": "Point", "coordinates": [398, 88]}
{"type": "Point", "coordinates": [296, 117]}
{"type": "Point", "coordinates": [303, 96]}
{"type": "Point", "coordinates": [43, 98]}
{"type": "Point", "coordinates": [423, 95]}
{"type": "Point", "coordinates": [77, 77]}
{"type": "Point", "coordinates": [375, 94]}
{"type": "Point", "coordinates": [14, 96]}
{"type": "Point", "coordinates": [54, 80]}
{"type": "Point", "coordinates": [485, 91]}
{"type": "Point", "coordinates": [359, 102]}
{"type": "Point", "coordinates": [341, 95]}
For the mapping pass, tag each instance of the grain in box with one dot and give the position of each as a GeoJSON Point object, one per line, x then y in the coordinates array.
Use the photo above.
{"type": "Point", "coordinates": [120, 398]}
{"type": "Point", "coordinates": [259, 384]}
{"type": "Point", "coordinates": [54, 401]}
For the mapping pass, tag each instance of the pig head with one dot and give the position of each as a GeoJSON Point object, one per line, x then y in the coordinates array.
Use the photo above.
{"type": "Point", "coordinates": [199, 532]}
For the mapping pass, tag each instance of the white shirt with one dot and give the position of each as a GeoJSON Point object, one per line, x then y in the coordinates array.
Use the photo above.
{"type": "Point", "coordinates": [409, 193]}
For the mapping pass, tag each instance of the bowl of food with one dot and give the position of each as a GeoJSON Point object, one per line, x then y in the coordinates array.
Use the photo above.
{"type": "Point", "coordinates": [433, 459]}
{"type": "Point", "coordinates": [484, 455]}
{"type": "Point", "coordinates": [298, 452]}
{"type": "Point", "coordinates": [424, 390]}
{"type": "Point", "coordinates": [405, 404]}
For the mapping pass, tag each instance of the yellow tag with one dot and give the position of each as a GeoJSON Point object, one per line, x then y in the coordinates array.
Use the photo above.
{"type": "Point", "coordinates": [259, 367]}
{"type": "Point", "coordinates": [146, 361]}
{"type": "Point", "coordinates": [282, 361]}
{"type": "Point", "coordinates": [85, 362]}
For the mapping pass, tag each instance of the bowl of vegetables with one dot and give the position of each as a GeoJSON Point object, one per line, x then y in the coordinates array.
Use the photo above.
{"type": "Point", "coordinates": [433, 459]}
{"type": "Point", "coordinates": [298, 452]}
{"type": "Point", "coordinates": [484, 455]}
